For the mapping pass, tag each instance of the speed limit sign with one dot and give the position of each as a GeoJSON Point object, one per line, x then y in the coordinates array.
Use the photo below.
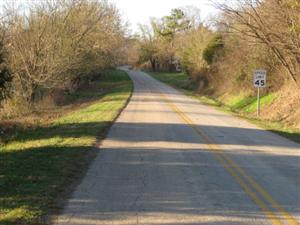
{"type": "Point", "coordinates": [260, 78]}
{"type": "Point", "coordinates": [259, 81]}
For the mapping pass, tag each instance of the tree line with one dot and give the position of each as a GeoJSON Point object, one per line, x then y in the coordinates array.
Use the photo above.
{"type": "Point", "coordinates": [56, 45]}
{"type": "Point", "coordinates": [248, 35]}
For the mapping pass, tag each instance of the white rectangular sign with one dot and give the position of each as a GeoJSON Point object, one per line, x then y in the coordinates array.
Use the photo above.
{"type": "Point", "coordinates": [260, 78]}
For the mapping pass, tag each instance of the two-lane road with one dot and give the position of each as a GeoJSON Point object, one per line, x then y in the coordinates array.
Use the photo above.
{"type": "Point", "coordinates": [170, 160]}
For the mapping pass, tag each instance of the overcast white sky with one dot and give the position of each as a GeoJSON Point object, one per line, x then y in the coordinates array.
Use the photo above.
{"type": "Point", "coordinates": [140, 11]}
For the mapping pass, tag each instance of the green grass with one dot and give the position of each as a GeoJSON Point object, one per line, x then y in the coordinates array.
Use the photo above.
{"type": "Point", "coordinates": [38, 165]}
{"type": "Point", "coordinates": [241, 106]}
{"type": "Point", "coordinates": [240, 102]}
{"type": "Point", "coordinates": [264, 101]}
{"type": "Point", "coordinates": [248, 104]}
{"type": "Point", "coordinates": [178, 80]}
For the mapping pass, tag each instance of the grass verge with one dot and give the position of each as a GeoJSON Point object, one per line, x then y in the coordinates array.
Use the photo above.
{"type": "Point", "coordinates": [241, 107]}
{"type": "Point", "coordinates": [38, 165]}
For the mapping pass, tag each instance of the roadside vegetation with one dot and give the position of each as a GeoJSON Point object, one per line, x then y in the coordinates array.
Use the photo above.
{"type": "Point", "coordinates": [244, 107]}
{"type": "Point", "coordinates": [54, 47]}
{"type": "Point", "coordinates": [59, 93]}
{"type": "Point", "coordinates": [220, 56]}
{"type": "Point", "coordinates": [38, 164]}
{"type": "Point", "coordinates": [60, 90]}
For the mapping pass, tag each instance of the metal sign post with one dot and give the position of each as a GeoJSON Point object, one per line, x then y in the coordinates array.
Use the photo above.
{"type": "Point", "coordinates": [259, 81]}
{"type": "Point", "coordinates": [258, 102]}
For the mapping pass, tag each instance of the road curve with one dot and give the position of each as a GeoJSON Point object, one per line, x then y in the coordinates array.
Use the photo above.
{"type": "Point", "coordinates": [170, 160]}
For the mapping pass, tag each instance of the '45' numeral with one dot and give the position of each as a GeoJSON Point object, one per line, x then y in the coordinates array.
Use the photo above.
{"type": "Point", "coordinates": [260, 83]}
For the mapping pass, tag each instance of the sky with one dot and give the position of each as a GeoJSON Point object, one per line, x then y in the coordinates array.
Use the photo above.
{"type": "Point", "coordinates": [140, 11]}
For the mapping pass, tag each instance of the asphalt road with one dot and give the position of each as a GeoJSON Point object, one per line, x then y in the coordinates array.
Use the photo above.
{"type": "Point", "coordinates": [170, 160]}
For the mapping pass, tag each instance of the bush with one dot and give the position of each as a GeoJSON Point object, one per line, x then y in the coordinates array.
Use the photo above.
{"type": "Point", "coordinates": [190, 50]}
{"type": "Point", "coordinates": [211, 49]}
{"type": "Point", "coordinates": [58, 45]}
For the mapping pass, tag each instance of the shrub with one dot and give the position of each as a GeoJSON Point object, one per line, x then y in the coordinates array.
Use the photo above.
{"type": "Point", "coordinates": [58, 45]}
{"type": "Point", "coordinates": [211, 49]}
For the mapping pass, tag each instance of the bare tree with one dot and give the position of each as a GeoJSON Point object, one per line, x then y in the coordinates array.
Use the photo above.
{"type": "Point", "coordinates": [59, 43]}
{"type": "Point", "coordinates": [275, 23]}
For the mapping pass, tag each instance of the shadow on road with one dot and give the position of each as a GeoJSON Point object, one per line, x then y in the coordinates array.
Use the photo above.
{"type": "Point", "coordinates": [141, 160]}
{"type": "Point", "coordinates": [133, 182]}
{"type": "Point", "coordinates": [221, 134]}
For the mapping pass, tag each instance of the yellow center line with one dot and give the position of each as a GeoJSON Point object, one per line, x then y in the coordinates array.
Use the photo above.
{"type": "Point", "coordinates": [238, 173]}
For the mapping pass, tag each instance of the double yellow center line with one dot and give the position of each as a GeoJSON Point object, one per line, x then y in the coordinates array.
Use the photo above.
{"type": "Point", "coordinates": [257, 193]}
